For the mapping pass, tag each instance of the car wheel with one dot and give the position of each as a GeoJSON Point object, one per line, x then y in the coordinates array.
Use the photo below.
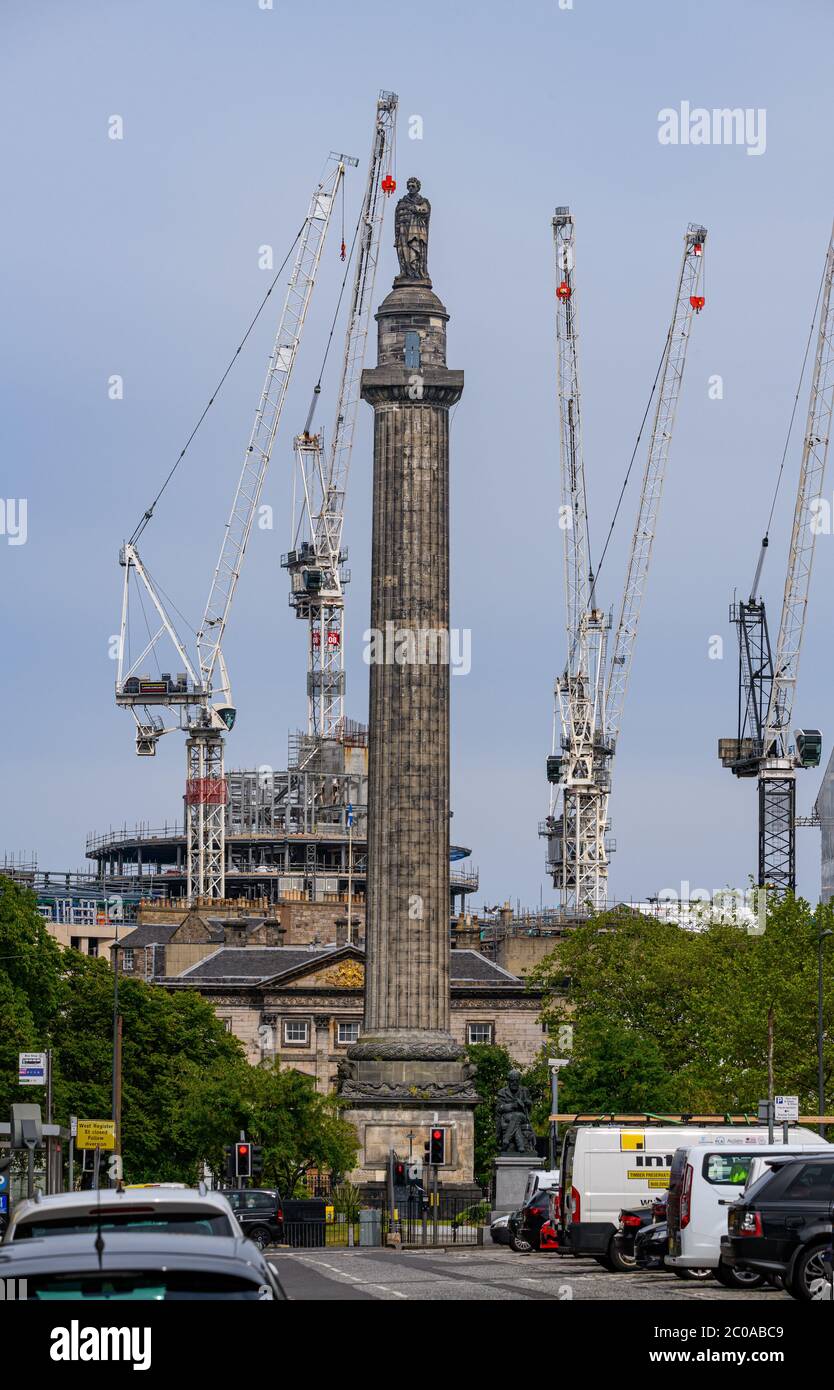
{"type": "Point", "coordinates": [733, 1278]}
{"type": "Point", "coordinates": [616, 1261]}
{"type": "Point", "coordinates": [521, 1245]}
{"type": "Point", "coordinates": [808, 1282]}
{"type": "Point", "coordinates": [260, 1236]}
{"type": "Point", "coordinates": [682, 1273]}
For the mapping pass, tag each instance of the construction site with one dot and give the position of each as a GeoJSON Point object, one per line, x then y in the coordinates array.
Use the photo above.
{"type": "Point", "coordinates": [251, 839]}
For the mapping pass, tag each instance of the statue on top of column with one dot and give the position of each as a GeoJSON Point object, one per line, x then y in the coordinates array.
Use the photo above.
{"type": "Point", "coordinates": [411, 233]}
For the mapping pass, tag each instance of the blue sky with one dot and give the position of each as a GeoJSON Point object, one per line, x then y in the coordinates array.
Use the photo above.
{"type": "Point", "coordinates": [139, 257]}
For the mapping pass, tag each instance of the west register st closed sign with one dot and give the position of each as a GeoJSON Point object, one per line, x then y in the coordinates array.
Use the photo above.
{"type": "Point", "coordinates": [96, 1134]}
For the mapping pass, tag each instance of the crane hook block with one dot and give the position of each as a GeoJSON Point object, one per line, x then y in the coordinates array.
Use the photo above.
{"type": "Point", "coordinates": [343, 252]}
{"type": "Point", "coordinates": [697, 301]}
{"type": "Point", "coordinates": [388, 185]}
{"type": "Point", "coordinates": [563, 290]}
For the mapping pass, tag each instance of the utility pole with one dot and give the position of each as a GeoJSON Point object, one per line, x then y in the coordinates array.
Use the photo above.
{"type": "Point", "coordinates": [770, 1075]}
{"type": "Point", "coordinates": [820, 1069]}
{"type": "Point", "coordinates": [116, 1085]}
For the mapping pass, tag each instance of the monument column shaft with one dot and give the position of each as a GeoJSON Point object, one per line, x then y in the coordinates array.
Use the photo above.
{"type": "Point", "coordinates": [407, 984]}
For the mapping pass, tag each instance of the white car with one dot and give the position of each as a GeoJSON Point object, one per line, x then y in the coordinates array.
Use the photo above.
{"type": "Point", "coordinates": [157, 1210]}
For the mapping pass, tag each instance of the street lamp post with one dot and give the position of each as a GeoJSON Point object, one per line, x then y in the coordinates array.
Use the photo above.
{"type": "Point", "coordinates": [820, 1071]}
{"type": "Point", "coordinates": [554, 1064]}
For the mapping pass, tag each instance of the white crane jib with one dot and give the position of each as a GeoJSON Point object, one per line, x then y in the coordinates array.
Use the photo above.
{"type": "Point", "coordinates": [805, 527]}
{"type": "Point", "coordinates": [591, 693]}
{"type": "Point", "coordinates": [203, 708]}
{"type": "Point", "coordinates": [315, 561]}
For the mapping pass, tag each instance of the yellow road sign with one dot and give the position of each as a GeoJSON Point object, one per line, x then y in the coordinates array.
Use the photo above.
{"type": "Point", "coordinates": [96, 1134]}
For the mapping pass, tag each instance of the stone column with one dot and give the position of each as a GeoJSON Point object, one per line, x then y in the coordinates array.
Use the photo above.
{"type": "Point", "coordinates": [406, 1053]}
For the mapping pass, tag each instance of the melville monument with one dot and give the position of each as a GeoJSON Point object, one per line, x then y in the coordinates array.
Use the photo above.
{"type": "Point", "coordinates": [406, 1074]}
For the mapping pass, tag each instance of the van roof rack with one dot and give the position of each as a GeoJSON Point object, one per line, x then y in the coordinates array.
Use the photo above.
{"type": "Point", "coordinates": [647, 1117]}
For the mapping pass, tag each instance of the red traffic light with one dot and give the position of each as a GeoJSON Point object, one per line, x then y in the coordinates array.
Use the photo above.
{"type": "Point", "coordinates": [243, 1148]}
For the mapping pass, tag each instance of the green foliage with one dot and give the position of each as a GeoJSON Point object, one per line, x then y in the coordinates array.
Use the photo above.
{"type": "Point", "coordinates": [491, 1063]}
{"type": "Point", "coordinates": [347, 1200]}
{"type": "Point", "coordinates": [671, 1020]}
{"type": "Point", "coordinates": [186, 1087]}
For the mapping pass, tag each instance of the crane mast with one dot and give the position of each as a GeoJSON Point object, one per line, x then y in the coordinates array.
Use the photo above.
{"type": "Point", "coordinates": [591, 694]}
{"type": "Point", "coordinates": [767, 684]}
{"type": "Point", "coordinates": [203, 704]}
{"type": "Point", "coordinates": [576, 837]}
{"type": "Point", "coordinates": [316, 561]}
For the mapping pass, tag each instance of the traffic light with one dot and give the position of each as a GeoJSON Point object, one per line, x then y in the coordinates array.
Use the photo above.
{"type": "Point", "coordinates": [228, 1161]}
{"type": "Point", "coordinates": [257, 1160]}
{"type": "Point", "coordinates": [437, 1146]}
{"type": "Point", "coordinates": [243, 1160]}
{"type": "Point", "coordinates": [399, 1173]}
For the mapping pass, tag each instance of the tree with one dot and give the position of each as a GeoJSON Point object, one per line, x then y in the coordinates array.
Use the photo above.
{"type": "Point", "coordinates": [492, 1065]}
{"type": "Point", "coordinates": [698, 1001]}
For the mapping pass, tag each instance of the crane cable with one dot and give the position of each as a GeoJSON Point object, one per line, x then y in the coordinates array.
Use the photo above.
{"type": "Point", "coordinates": [634, 454]}
{"type": "Point", "coordinates": [149, 513]}
{"type": "Point", "coordinates": [795, 402]}
{"type": "Point", "coordinates": [348, 260]}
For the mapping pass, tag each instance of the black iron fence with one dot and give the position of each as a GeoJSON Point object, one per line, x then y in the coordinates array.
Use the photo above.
{"type": "Point", "coordinates": [448, 1221]}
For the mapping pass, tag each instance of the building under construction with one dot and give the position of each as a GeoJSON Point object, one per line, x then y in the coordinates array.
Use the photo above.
{"type": "Point", "coordinates": [297, 834]}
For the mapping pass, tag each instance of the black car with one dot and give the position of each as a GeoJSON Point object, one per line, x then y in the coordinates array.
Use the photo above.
{"type": "Point", "coordinates": [783, 1224]}
{"type": "Point", "coordinates": [650, 1246]}
{"type": "Point", "coordinates": [525, 1225]}
{"type": "Point", "coordinates": [260, 1212]}
{"type": "Point", "coordinates": [633, 1220]}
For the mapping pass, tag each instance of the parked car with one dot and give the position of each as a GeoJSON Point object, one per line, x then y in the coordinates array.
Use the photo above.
{"type": "Point", "coordinates": [705, 1178]}
{"type": "Point", "coordinates": [525, 1225]}
{"type": "Point", "coordinates": [499, 1229]}
{"type": "Point", "coordinates": [147, 1210]}
{"type": "Point", "coordinates": [783, 1224]}
{"type": "Point", "coordinates": [128, 1265]}
{"type": "Point", "coordinates": [650, 1246]}
{"type": "Point", "coordinates": [634, 1220]}
{"type": "Point", "coordinates": [260, 1212]}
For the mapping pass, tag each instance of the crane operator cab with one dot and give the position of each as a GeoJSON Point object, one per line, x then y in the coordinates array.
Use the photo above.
{"type": "Point", "coordinates": [808, 747]}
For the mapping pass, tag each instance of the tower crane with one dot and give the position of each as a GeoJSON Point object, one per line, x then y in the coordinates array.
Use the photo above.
{"type": "Point", "coordinates": [590, 694]}
{"type": "Point", "coordinates": [767, 683]}
{"type": "Point", "coordinates": [198, 700]}
{"type": "Point", "coordinates": [316, 561]}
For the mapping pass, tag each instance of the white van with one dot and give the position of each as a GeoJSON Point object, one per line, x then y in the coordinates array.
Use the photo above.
{"type": "Point", "coordinates": [608, 1167]}
{"type": "Point", "coordinates": [704, 1178]}
{"type": "Point", "coordinates": [538, 1178]}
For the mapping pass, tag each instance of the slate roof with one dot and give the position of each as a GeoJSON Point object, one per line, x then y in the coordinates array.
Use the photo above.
{"type": "Point", "coordinates": [149, 934]}
{"type": "Point", "coordinates": [254, 964]}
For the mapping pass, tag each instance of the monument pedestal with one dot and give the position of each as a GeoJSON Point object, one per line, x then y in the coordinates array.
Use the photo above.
{"type": "Point", "coordinates": [396, 1099]}
{"type": "Point", "coordinates": [511, 1172]}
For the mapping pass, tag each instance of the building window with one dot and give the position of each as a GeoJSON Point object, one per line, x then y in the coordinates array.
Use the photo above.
{"type": "Point", "coordinates": [92, 946]}
{"type": "Point", "coordinates": [346, 1033]}
{"type": "Point", "coordinates": [297, 1034]}
{"type": "Point", "coordinates": [127, 960]}
{"type": "Point", "coordinates": [479, 1032]}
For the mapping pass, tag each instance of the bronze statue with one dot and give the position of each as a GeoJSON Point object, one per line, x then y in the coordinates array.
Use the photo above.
{"type": "Point", "coordinates": [512, 1117]}
{"type": "Point", "coordinates": [411, 233]}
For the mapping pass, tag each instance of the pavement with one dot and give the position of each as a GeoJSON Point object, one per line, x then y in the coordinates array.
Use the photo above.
{"type": "Point", "coordinates": [493, 1273]}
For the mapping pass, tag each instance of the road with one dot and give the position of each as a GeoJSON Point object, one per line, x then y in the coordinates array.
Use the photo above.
{"type": "Point", "coordinates": [491, 1273]}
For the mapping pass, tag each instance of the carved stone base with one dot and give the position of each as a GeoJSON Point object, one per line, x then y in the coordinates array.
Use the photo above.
{"type": "Point", "coordinates": [385, 1125]}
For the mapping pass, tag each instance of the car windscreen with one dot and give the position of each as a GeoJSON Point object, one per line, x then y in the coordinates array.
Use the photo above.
{"type": "Point", "coordinates": [726, 1169]}
{"type": "Point", "coordinates": [147, 1284]}
{"type": "Point", "coordinates": [183, 1223]}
